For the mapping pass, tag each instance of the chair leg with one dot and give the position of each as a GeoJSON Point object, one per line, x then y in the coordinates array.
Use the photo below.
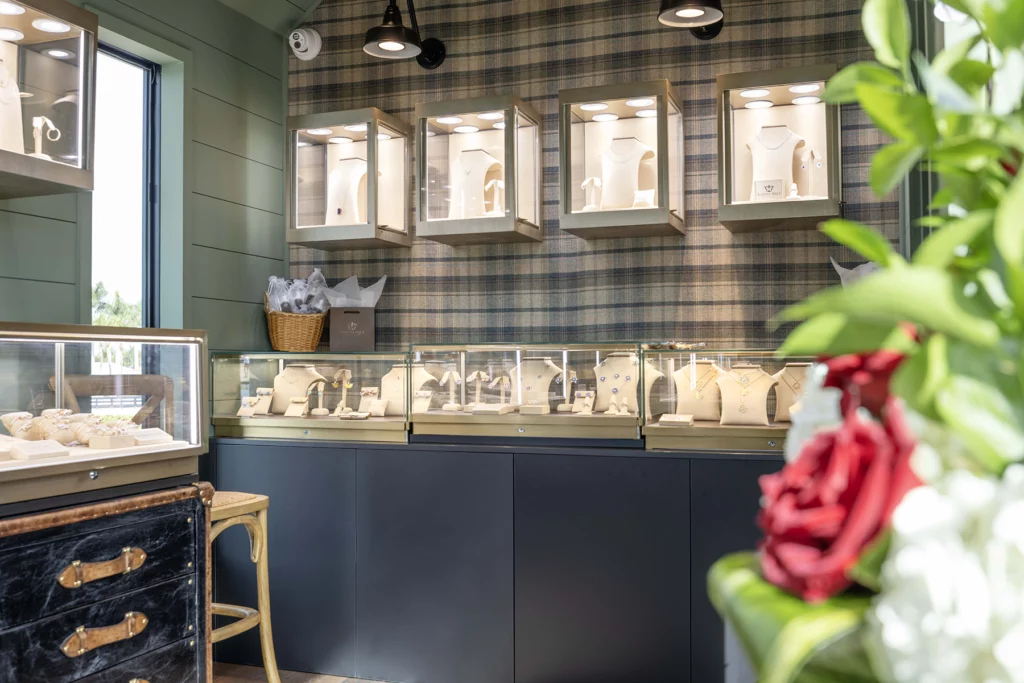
{"type": "Point", "coordinates": [263, 604]}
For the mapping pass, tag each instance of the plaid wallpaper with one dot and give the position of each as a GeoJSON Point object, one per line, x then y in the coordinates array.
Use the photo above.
{"type": "Point", "coordinates": [710, 286]}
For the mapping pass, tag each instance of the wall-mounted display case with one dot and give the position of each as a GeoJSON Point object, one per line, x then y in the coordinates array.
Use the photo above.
{"type": "Point", "coordinates": [581, 391]}
{"type": "Point", "coordinates": [338, 396]}
{"type": "Point", "coordinates": [780, 165]}
{"type": "Point", "coordinates": [47, 88]}
{"type": "Point", "coordinates": [622, 161]}
{"type": "Point", "coordinates": [721, 400]}
{"type": "Point", "coordinates": [349, 180]}
{"type": "Point", "coordinates": [479, 171]}
{"type": "Point", "coordinates": [84, 408]}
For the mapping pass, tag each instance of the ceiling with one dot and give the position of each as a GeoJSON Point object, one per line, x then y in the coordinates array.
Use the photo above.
{"type": "Point", "coordinates": [280, 16]}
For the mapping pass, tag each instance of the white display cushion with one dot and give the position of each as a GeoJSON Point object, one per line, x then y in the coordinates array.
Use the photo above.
{"type": "Point", "coordinates": [5, 446]}
{"type": "Point", "coordinates": [108, 442]}
{"type": "Point", "coordinates": [493, 409]}
{"type": "Point", "coordinates": [378, 407]}
{"type": "Point", "coordinates": [676, 420]}
{"type": "Point", "coordinates": [33, 450]}
{"type": "Point", "coordinates": [151, 437]}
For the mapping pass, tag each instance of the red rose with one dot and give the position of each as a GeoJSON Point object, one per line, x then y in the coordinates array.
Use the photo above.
{"type": "Point", "coordinates": [824, 508]}
{"type": "Point", "coordinates": [863, 378]}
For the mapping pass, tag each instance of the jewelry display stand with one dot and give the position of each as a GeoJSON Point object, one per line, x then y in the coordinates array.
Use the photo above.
{"type": "Point", "coordinates": [294, 382]}
{"type": "Point", "coordinates": [248, 408]}
{"type": "Point", "coordinates": [421, 401]}
{"type": "Point", "coordinates": [676, 420]}
{"type": "Point", "coordinates": [773, 156]}
{"type": "Point", "coordinates": [264, 399]}
{"type": "Point", "coordinates": [617, 384]}
{"type": "Point", "coordinates": [367, 395]}
{"type": "Point", "coordinates": [346, 193]}
{"type": "Point", "coordinates": [12, 132]}
{"type": "Point", "coordinates": [477, 378]}
{"type": "Point", "coordinates": [651, 375]}
{"type": "Point", "coordinates": [452, 380]}
{"type": "Point", "coordinates": [584, 403]}
{"type": "Point", "coordinates": [745, 395]}
{"type": "Point", "coordinates": [298, 406]}
{"type": "Point", "coordinates": [621, 173]}
{"type": "Point", "coordinates": [535, 376]}
{"type": "Point", "coordinates": [343, 379]}
{"type": "Point", "coordinates": [471, 173]}
{"type": "Point", "coordinates": [789, 388]}
{"type": "Point", "coordinates": [696, 391]}
{"type": "Point", "coordinates": [566, 407]}
{"type": "Point", "coordinates": [393, 386]}
{"type": "Point", "coordinates": [500, 408]}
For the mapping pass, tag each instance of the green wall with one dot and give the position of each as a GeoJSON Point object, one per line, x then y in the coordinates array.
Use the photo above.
{"type": "Point", "coordinates": [233, 231]}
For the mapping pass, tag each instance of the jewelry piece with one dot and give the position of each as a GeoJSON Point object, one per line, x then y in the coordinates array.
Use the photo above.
{"type": "Point", "coordinates": [794, 386]}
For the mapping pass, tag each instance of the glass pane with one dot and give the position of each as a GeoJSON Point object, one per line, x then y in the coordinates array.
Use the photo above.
{"type": "Point", "coordinates": [676, 179]}
{"type": "Point", "coordinates": [332, 175]}
{"type": "Point", "coordinates": [392, 193]}
{"type": "Point", "coordinates": [465, 166]}
{"type": "Point", "coordinates": [614, 155]}
{"type": "Point", "coordinates": [26, 370]}
{"type": "Point", "coordinates": [778, 143]}
{"type": "Point", "coordinates": [119, 199]}
{"type": "Point", "coordinates": [527, 158]}
{"type": "Point", "coordinates": [40, 81]}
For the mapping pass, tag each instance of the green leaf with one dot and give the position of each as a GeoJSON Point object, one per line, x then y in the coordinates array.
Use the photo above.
{"type": "Point", "coordinates": [931, 221]}
{"type": "Point", "coordinates": [869, 565]}
{"type": "Point", "coordinates": [926, 296]}
{"type": "Point", "coordinates": [1009, 239]}
{"type": "Point", "coordinates": [954, 54]}
{"type": "Point", "coordinates": [834, 334]}
{"type": "Point", "coordinates": [887, 27]}
{"type": "Point", "coordinates": [786, 639]}
{"type": "Point", "coordinates": [984, 419]}
{"type": "Point", "coordinates": [842, 88]}
{"type": "Point", "coordinates": [892, 163]}
{"type": "Point", "coordinates": [903, 116]}
{"type": "Point", "coordinates": [919, 377]}
{"type": "Point", "coordinates": [1004, 22]}
{"type": "Point", "coordinates": [972, 75]}
{"type": "Point", "coordinates": [943, 92]}
{"type": "Point", "coordinates": [952, 241]}
{"type": "Point", "coordinates": [972, 155]}
{"type": "Point", "coordinates": [867, 242]}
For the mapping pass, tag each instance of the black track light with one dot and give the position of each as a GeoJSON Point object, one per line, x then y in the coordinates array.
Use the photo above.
{"type": "Point", "coordinates": [393, 40]}
{"type": "Point", "coordinates": [704, 18]}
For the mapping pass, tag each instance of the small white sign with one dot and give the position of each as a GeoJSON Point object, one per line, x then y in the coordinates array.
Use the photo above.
{"type": "Point", "coordinates": [769, 189]}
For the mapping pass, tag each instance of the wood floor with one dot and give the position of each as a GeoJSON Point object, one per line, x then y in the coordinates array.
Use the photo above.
{"type": "Point", "coordinates": [232, 673]}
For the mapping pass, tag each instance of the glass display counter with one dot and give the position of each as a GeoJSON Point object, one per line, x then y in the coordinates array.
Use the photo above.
{"type": "Point", "coordinates": [83, 407]}
{"type": "Point", "coordinates": [721, 400]}
{"type": "Point", "coordinates": [582, 391]}
{"type": "Point", "coordinates": [337, 397]}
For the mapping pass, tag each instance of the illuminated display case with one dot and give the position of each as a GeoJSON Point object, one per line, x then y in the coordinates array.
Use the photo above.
{"type": "Point", "coordinates": [349, 179]}
{"type": "Point", "coordinates": [479, 173]}
{"type": "Point", "coordinates": [83, 408]}
{"type": "Point", "coordinates": [47, 92]}
{"type": "Point", "coordinates": [582, 391]}
{"type": "Point", "coordinates": [622, 161]}
{"type": "Point", "coordinates": [338, 396]}
{"type": "Point", "coordinates": [780, 165]}
{"type": "Point", "coordinates": [721, 400]}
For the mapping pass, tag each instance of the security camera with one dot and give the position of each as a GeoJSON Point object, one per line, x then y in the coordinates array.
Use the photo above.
{"type": "Point", "coordinates": [305, 43]}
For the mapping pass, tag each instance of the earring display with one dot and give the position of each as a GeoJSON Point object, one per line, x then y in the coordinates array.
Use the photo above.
{"type": "Point", "coordinates": [621, 161]}
{"type": "Point", "coordinates": [47, 86]}
{"type": "Point", "coordinates": [349, 177]}
{"type": "Point", "coordinates": [480, 176]}
{"type": "Point", "coordinates": [780, 166]}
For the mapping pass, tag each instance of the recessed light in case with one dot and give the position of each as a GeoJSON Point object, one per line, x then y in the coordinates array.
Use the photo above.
{"type": "Point", "coordinates": [642, 102]}
{"type": "Point", "coordinates": [302, 143]}
{"type": "Point", "coordinates": [356, 127]}
{"type": "Point", "coordinates": [60, 54]}
{"type": "Point", "coordinates": [805, 88]}
{"type": "Point", "coordinates": [383, 136]}
{"type": "Point", "coordinates": [319, 131]}
{"type": "Point", "coordinates": [466, 129]}
{"type": "Point", "coordinates": [754, 92]}
{"type": "Point", "coordinates": [647, 113]}
{"type": "Point", "coordinates": [340, 141]}
{"type": "Point", "coordinates": [448, 120]}
{"type": "Point", "coordinates": [604, 118]}
{"type": "Point", "coordinates": [594, 106]}
{"type": "Point", "coordinates": [25, 95]}
{"type": "Point", "coordinates": [492, 115]}
{"type": "Point", "coordinates": [759, 104]}
{"type": "Point", "coordinates": [500, 125]}
{"type": "Point", "coordinates": [51, 26]}
{"type": "Point", "coordinates": [10, 9]}
{"type": "Point", "coordinates": [807, 99]}
{"type": "Point", "coordinates": [11, 35]}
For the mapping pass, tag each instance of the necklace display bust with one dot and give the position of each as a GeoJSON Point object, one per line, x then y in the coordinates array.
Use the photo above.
{"type": "Point", "coordinates": [293, 382]}
{"type": "Point", "coordinates": [772, 151]}
{"type": "Point", "coordinates": [618, 379]}
{"type": "Point", "coordinates": [697, 394]}
{"type": "Point", "coordinates": [535, 376]}
{"type": "Point", "coordinates": [393, 386]}
{"type": "Point", "coordinates": [745, 395]}
{"type": "Point", "coordinates": [620, 171]}
{"type": "Point", "coordinates": [468, 179]}
{"type": "Point", "coordinates": [790, 388]}
{"type": "Point", "coordinates": [346, 193]}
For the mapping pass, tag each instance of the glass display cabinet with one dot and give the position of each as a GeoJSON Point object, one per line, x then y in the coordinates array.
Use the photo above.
{"type": "Point", "coordinates": [780, 165]}
{"type": "Point", "coordinates": [621, 161]}
{"type": "Point", "coordinates": [721, 400]}
{"type": "Point", "coordinates": [328, 396]}
{"type": "Point", "coordinates": [84, 408]}
{"type": "Point", "coordinates": [47, 87]}
{"type": "Point", "coordinates": [581, 391]}
{"type": "Point", "coordinates": [349, 180]}
{"type": "Point", "coordinates": [479, 172]}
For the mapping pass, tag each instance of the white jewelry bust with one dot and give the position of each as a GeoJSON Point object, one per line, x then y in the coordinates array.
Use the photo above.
{"type": "Point", "coordinates": [393, 387]}
{"type": "Point", "coordinates": [12, 132]}
{"type": "Point", "coordinates": [745, 395]}
{"type": "Point", "coordinates": [772, 152]}
{"type": "Point", "coordinates": [535, 375]}
{"type": "Point", "coordinates": [468, 178]}
{"type": "Point", "coordinates": [620, 172]}
{"type": "Point", "coordinates": [293, 382]}
{"type": "Point", "coordinates": [617, 377]}
{"type": "Point", "coordinates": [346, 193]}
{"type": "Point", "coordinates": [697, 394]}
{"type": "Point", "coordinates": [790, 388]}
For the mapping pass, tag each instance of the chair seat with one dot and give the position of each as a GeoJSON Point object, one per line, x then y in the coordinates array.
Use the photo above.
{"type": "Point", "coordinates": [227, 504]}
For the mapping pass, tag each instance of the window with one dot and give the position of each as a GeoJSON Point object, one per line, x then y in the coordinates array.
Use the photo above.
{"type": "Point", "coordinates": [124, 201]}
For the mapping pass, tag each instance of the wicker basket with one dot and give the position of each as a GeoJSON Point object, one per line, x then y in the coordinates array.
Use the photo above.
{"type": "Point", "coordinates": [294, 331]}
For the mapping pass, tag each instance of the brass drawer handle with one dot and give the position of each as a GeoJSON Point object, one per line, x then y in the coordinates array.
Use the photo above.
{"type": "Point", "coordinates": [78, 572]}
{"type": "Point", "coordinates": [86, 639]}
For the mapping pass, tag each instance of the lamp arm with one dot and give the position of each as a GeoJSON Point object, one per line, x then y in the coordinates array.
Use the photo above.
{"type": "Point", "coordinates": [412, 16]}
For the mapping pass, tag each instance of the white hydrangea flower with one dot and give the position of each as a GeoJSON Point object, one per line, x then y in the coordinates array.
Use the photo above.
{"type": "Point", "coordinates": [817, 410]}
{"type": "Point", "coordinates": [951, 608]}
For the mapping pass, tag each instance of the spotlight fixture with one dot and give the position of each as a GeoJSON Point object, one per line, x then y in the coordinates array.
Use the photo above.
{"type": "Point", "coordinates": [491, 115]}
{"type": "Point", "coordinates": [11, 35]}
{"type": "Point", "coordinates": [466, 129]}
{"type": "Point", "coordinates": [340, 141]}
{"type": "Point", "coordinates": [804, 88]}
{"type": "Point", "coordinates": [500, 125]}
{"type": "Point", "coordinates": [302, 143]}
{"type": "Point", "coordinates": [449, 120]}
{"type": "Point", "coordinates": [754, 92]}
{"type": "Point", "coordinates": [604, 118]}
{"type": "Point", "coordinates": [383, 136]}
{"type": "Point", "coordinates": [806, 99]}
{"type": "Point", "coordinates": [60, 54]}
{"type": "Point", "coordinates": [319, 131]}
{"type": "Point", "coordinates": [10, 9]}
{"type": "Point", "coordinates": [393, 40]}
{"type": "Point", "coordinates": [704, 18]}
{"type": "Point", "coordinates": [759, 104]}
{"type": "Point", "coordinates": [356, 127]}
{"type": "Point", "coordinates": [51, 26]}
{"type": "Point", "coordinates": [647, 113]}
{"type": "Point", "coordinates": [642, 102]}
{"type": "Point", "coordinates": [594, 106]}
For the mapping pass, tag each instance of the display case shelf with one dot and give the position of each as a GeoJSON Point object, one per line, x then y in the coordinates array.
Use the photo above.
{"type": "Point", "coordinates": [479, 171]}
{"type": "Point", "coordinates": [349, 180]}
{"type": "Point", "coordinates": [622, 161]}
{"type": "Point", "coordinates": [780, 160]}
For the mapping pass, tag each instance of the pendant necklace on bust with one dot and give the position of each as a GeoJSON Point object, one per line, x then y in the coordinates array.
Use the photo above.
{"type": "Point", "coordinates": [746, 386]}
{"type": "Point", "coordinates": [779, 146]}
{"type": "Point", "coordinates": [794, 386]}
{"type": "Point", "coordinates": [700, 383]}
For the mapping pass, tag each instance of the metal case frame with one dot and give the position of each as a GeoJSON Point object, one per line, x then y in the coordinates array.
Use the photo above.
{"type": "Point", "coordinates": [367, 235]}
{"type": "Point", "coordinates": [25, 176]}
{"type": "Point", "coordinates": [656, 222]}
{"type": "Point", "coordinates": [780, 215]}
{"type": "Point", "coordinates": [485, 230]}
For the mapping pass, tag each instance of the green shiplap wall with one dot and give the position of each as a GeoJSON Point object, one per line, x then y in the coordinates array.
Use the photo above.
{"type": "Point", "coordinates": [235, 230]}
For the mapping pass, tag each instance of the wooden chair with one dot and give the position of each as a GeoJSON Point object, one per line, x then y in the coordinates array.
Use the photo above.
{"type": "Point", "coordinates": [249, 509]}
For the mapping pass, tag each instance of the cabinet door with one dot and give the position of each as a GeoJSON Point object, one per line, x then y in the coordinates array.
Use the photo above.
{"type": "Point", "coordinates": [435, 588]}
{"type": "Point", "coordinates": [602, 569]}
{"type": "Point", "coordinates": [311, 541]}
{"type": "Point", "coordinates": [725, 500]}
